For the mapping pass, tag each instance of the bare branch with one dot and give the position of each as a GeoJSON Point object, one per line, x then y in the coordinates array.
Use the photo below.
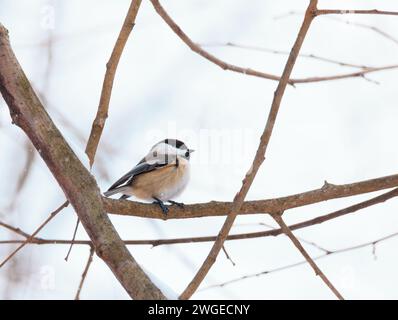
{"type": "Point", "coordinates": [360, 74]}
{"type": "Point", "coordinates": [78, 185]}
{"type": "Point", "coordinates": [14, 229]}
{"type": "Point", "coordinates": [215, 208]}
{"type": "Point", "coordinates": [227, 66]}
{"type": "Point", "coordinates": [283, 52]}
{"type": "Point", "coordinates": [84, 274]}
{"type": "Point", "coordinates": [289, 266]}
{"type": "Point", "coordinates": [81, 189]}
{"type": "Point", "coordinates": [258, 159]}
{"type": "Point", "coordinates": [205, 54]}
{"type": "Point", "coordinates": [52, 215]}
{"type": "Point", "coordinates": [356, 24]}
{"type": "Point", "coordinates": [318, 272]}
{"type": "Point", "coordinates": [336, 11]}
{"type": "Point", "coordinates": [228, 256]}
{"type": "Point", "coordinates": [73, 239]}
{"type": "Point", "coordinates": [111, 66]}
{"type": "Point", "coordinates": [157, 242]}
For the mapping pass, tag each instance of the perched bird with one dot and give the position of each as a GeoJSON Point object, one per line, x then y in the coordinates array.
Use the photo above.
{"type": "Point", "coordinates": [161, 176]}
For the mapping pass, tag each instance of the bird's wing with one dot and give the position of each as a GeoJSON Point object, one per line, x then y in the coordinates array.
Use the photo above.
{"type": "Point", "coordinates": [142, 167]}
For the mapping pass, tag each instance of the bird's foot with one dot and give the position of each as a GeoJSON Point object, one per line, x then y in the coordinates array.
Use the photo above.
{"type": "Point", "coordinates": [162, 206]}
{"type": "Point", "coordinates": [179, 204]}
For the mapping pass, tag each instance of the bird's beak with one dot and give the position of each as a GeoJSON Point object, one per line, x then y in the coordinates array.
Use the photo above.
{"type": "Point", "coordinates": [191, 150]}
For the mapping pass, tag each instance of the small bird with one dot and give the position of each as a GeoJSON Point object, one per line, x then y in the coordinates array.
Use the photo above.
{"type": "Point", "coordinates": [161, 176]}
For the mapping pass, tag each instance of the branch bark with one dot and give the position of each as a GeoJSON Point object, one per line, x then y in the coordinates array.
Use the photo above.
{"type": "Point", "coordinates": [215, 208]}
{"type": "Point", "coordinates": [78, 185]}
{"type": "Point", "coordinates": [111, 66]}
{"type": "Point", "coordinates": [247, 71]}
{"type": "Point", "coordinates": [158, 242]}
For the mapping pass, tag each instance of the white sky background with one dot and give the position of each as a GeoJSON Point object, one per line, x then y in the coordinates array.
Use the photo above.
{"type": "Point", "coordinates": [340, 131]}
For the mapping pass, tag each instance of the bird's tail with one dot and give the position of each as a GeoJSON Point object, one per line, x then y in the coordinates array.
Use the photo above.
{"type": "Point", "coordinates": [115, 190]}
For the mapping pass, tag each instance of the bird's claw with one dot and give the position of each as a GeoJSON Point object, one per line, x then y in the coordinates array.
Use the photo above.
{"type": "Point", "coordinates": [162, 206]}
{"type": "Point", "coordinates": [179, 204]}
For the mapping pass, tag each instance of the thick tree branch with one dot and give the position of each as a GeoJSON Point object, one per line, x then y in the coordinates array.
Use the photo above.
{"type": "Point", "coordinates": [157, 242]}
{"type": "Point", "coordinates": [78, 185]}
{"type": "Point", "coordinates": [215, 208]}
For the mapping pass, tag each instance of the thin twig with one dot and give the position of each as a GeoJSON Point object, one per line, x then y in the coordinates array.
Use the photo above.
{"type": "Point", "coordinates": [205, 54]}
{"type": "Point", "coordinates": [26, 241]}
{"type": "Point", "coordinates": [84, 274]}
{"type": "Point", "coordinates": [258, 159]}
{"type": "Point", "coordinates": [375, 29]}
{"type": "Point", "coordinates": [356, 24]}
{"type": "Point", "coordinates": [247, 71]}
{"type": "Point", "coordinates": [336, 11]}
{"type": "Point", "coordinates": [24, 175]}
{"type": "Point", "coordinates": [284, 52]}
{"type": "Point", "coordinates": [228, 256]}
{"type": "Point", "coordinates": [311, 243]}
{"type": "Point", "coordinates": [318, 272]}
{"type": "Point", "coordinates": [111, 66]}
{"type": "Point", "coordinates": [289, 266]}
{"type": "Point", "coordinates": [14, 229]}
{"type": "Point", "coordinates": [73, 239]}
{"type": "Point", "coordinates": [360, 74]}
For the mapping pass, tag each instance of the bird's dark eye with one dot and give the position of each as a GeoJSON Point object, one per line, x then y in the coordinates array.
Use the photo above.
{"type": "Point", "coordinates": [187, 154]}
